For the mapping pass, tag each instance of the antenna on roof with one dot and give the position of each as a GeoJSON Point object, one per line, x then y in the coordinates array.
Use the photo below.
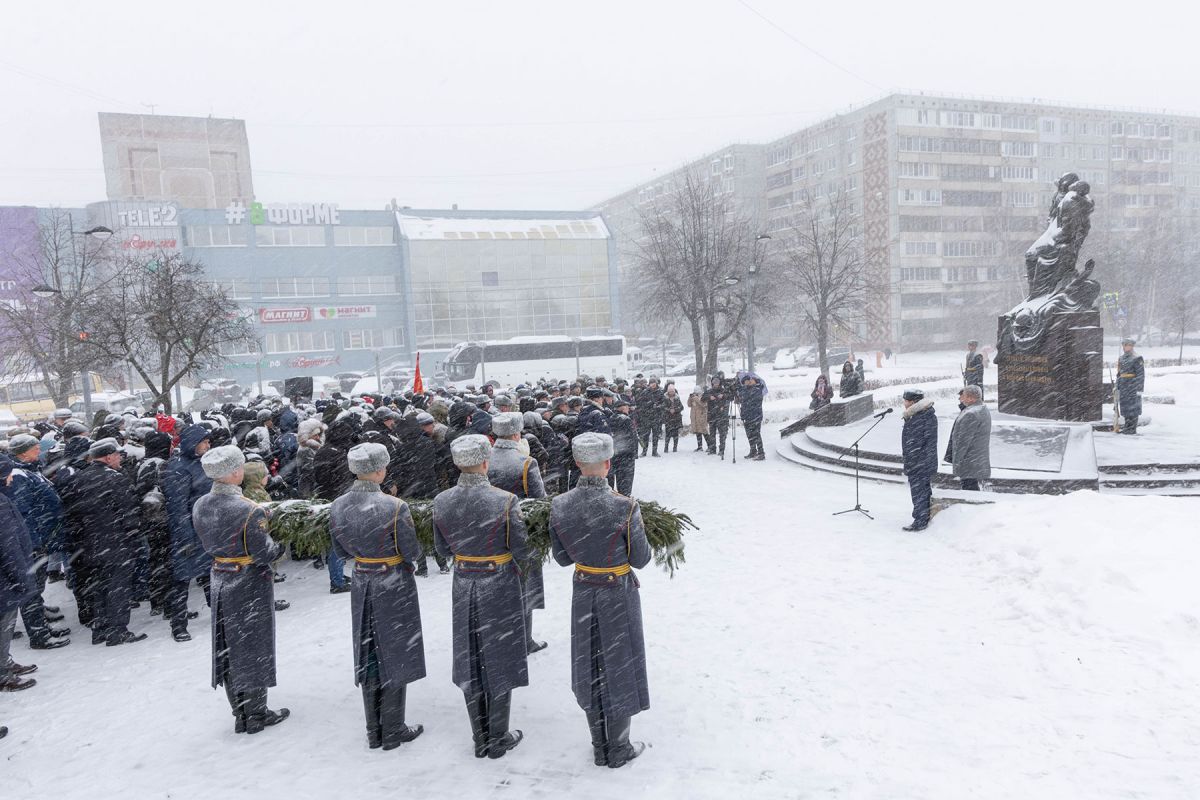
{"type": "Point", "coordinates": [150, 106]}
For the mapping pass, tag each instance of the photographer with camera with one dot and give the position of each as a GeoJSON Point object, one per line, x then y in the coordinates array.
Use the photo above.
{"type": "Point", "coordinates": [750, 398]}
{"type": "Point", "coordinates": [717, 397]}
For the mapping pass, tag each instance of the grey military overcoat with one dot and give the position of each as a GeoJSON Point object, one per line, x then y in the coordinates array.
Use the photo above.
{"type": "Point", "coordinates": [596, 527]}
{"type": "Point", "coordinates": [513, 472]}
{"type": "Point", "coordinates": [243, 596]}
{"type": "Point", "coordinates": [365, 524]}
{"type": "Point", "coordinates": [476, 519]}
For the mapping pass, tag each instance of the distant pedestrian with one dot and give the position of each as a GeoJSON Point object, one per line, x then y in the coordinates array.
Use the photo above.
{"type": "Point", "coordinates": [822, 394]}
{"type": "Point", "coordinates": [918, 443]}
{"type": "Point", "coordinates": [973, 369]}
{"type": "Point", "coordinates": [971, 440]}
{"type": "Point", "coordinates": [698, 418]}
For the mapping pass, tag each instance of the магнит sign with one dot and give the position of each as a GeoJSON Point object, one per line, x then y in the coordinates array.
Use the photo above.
{"type": "Point", "coordinates": [268, 316]}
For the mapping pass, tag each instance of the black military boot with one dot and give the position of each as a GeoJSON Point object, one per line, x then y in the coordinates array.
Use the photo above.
{"type": "Point", "coordinates": [477, 710]}
{"type": "Point", "coordinates": [237, 704]}
{"type": "Point", "coordinates": [620, 750]}
{"type": "Point", "coordinates": [258, 716]}
{"type": "Point", "coordinates": [1130, 426]}
{"type": "Point", "coordinates": [371, 700]}
{"type": "Point", "coordinates": [391, 716]}
{"type": "Point", "coordinates": [531, 644]}
{"type": "Point", "coordinates": [599, 745]}
{"type": "Point", "coordinates": [122, 637]}
{"type": "Point", "coordinates": [501, 740]}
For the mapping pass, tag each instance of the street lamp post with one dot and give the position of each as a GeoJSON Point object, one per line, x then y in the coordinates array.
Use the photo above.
{"type": "Point", "coordinates": [578, 369]}
{"type": "Point", "coordinates": [45, 291]}
{"type": "Point", "coordinates": [753, 273]}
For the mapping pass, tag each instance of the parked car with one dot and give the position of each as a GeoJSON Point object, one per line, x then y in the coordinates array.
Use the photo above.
{"type": "Point", "coordinates": [836, 357]}
{"type": "Point", "coordinates": [686, 367]}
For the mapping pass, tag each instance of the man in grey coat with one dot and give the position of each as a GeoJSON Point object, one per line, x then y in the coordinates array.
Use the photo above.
{"type": "Point", "coordinates": [601, 533]}
{"type": "Point", "coordinates": [971, 440]}
{"type": "Point", "coordinates": [376, 530]}
{"type": "Point", "coordinates": [481, 526]}
{"type": "Point", "coordinates": [233, 530]}
{"type": "Point", "coordinates": [517, 472]}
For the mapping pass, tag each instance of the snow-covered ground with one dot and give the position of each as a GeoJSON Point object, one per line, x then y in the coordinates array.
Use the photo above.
{"type": "Point", "coordinates": [1043, 647]}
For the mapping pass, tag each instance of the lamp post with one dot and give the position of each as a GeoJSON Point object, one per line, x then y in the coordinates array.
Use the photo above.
{"type": "Point", "coordinates": [753, 273]}
{"type": "Point", "coordinates": [578, 369]}
{"type": "Point", "coordinates": [45, 291]}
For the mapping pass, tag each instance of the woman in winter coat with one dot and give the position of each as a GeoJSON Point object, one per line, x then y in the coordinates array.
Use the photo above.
{"type": "Point", "coordinates": [698, 417]}
{"type": "Point", "coordinates": [822, 393]}
{"type": "Point", "coordinates": [16, 577]}
{"type": "Point", "coordinates": [673, 410]}
{"type": "Point", "coordinates": [311, 432]}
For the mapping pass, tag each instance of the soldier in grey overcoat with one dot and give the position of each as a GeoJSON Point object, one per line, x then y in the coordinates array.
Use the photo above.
{"type": "Point", "coordinates": [1131, 382]}
{"type": "Point", "coordinates": [601, 533]}
{"type": "Point", "coordinates": [233, 530]}
{"type": "Point", "coordinates": [376, 530]}
{"type": "Point", "coordinates": [971, 439]}
{"type": "Point", "coordinates": [481, 526]}
{"type": "Point", "coordinates": [517, 472]}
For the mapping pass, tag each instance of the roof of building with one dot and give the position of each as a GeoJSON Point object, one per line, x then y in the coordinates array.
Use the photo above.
{"type": "Point", "coordinates": [428, 227]}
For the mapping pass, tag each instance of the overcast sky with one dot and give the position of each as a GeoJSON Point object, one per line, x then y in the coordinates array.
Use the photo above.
{"type": "Point", "coordinates": [534, 104]}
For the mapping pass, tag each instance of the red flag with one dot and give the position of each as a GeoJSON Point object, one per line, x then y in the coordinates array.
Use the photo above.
{"type": "Point", "coordinates": [418, 384]}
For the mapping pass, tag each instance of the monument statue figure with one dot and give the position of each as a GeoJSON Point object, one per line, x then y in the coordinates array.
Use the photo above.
{"type": "Point", "coordinates": [1055, 286]}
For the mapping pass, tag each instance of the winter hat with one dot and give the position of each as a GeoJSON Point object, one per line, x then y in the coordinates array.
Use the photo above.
{"type": "Point", "coordinates": [914, 394]}
{"type": "Point", "coordinates": [6, 467]}
{"type": "Point", "coordinates": [425, 419]}
{"type": "Point", "coordinates": [507, 424]}
{"type": "Point", "coordinates": [220, 462]}
{"type": "Point", "coordinates": [103, 447]}
{"type": "Point", "coordinates": [74, 428]}
{"type": "Point", "coordinates": [367, 457]}
{"type": "Point", "coordinates": [532, 419]}
{"type": "Point", "coordinates": [383, 414]}
{"type": "Point", "coordinates": [592, 448]}
{"type": "Point", "coordinates": [470, 450]}
{"type": "Point", "coordinates": [23, 442]}
{"type": "Point", "coordinates": [593, 392]}
{"type": "Point", "coordinates": [63, 413]}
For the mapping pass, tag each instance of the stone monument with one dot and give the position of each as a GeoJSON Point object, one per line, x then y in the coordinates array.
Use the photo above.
{"type": "Point", "coordinates": [1050, 346]}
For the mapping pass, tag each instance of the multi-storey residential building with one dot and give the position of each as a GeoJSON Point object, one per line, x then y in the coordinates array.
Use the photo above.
{"type": "Point", "coordinates": [951, 191]}
{"type": "Point", "coordinates": [736, 172]}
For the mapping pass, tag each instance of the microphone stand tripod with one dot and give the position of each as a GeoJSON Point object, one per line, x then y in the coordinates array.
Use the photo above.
{"type": "Point", "coordinates": [858, 505]}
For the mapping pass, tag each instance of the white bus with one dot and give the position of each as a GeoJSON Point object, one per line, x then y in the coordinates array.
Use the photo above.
{"type": "Point", "coordinates": [526, 359]}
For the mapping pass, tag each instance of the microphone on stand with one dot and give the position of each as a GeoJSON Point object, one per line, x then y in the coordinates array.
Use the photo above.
{"type": "Point", "coordinates": [884, 413]}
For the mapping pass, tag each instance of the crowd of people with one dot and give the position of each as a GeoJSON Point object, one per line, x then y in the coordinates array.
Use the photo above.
{"type": "Point", "coordinates": [114, 507]}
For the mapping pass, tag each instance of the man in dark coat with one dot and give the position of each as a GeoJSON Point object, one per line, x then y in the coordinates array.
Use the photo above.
{"type": "Point", "coordinates": [285, 445]}
{"type": "Point", "coordinates": [381, 430]}
{"type": "Point", "coordinates": [481, 526]}
{"type": "Point", "coordinates": [148, 486]}
{"type": "Point", "coordinates": [750, 398]}
{"type": "Point", "coordinates": [102, 499]}
{"type": "Point", "coordinates": [625, 448]}
{"type": "Point", "coordinates": [234, 533]}
{"type": "Point", "coordinates": [376, 530]}
{"type": "Point", "coordinates": [651, 408]}
{"type": "Point", "coordinates": [40, 507]}
{"type": "Point", "coordinates": [601, 533]}
{"type": "Point", "coordinates": [61, 471]}
{"type": "Point", "coordinates": [592, 417]}
{"type": "Point", "coordinates": [973, 369]}
{"type": "Point", "coordinates": [717, 400]}
{"type": "Point", "coordinates": [1131, 382]}
{"type": "Point", "coordinates": [918, 444]}
{"type": "Point", "coordinates": [513, 471]}
{"type": "Point", "coordinates": [183, 484]}
{"type": "Point", "coordinates": [333, 478]}
{"type": "Point", "coordinates": [16, 582]}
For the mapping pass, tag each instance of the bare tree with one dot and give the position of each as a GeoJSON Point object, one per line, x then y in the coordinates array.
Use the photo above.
{"type": "Point", "coordinates": [693, 243]}
{"type": "Point", "coordinates": [45, 335]}
{"type": "Point", "coordinates": [825, 268]}
{"type": "Point", "coordinates": [164, 318]}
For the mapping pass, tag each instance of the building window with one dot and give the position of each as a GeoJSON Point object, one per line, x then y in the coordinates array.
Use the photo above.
{"type": "Point", "coordinates": [289, 235]}
{"type": "Point", "coordinates": [920, 248]}
{"type": "Point", "coordinates": [1049, 126]}
{"type": "Point", "coordinates": [363, 235]}
{"type": "Point", "coordinates": [237, 288]}
{"type": "Point", "coordinates": [216, 235]}
{"type": "Point", "coordinates": [1018, 173]}
{"type": "Point", "coordinates": [921, 274]}
{"type": "Point", "coordinates": [300, 342]}
{"type": "Point", "coordinates": [295, 287]}
{"type": "Point", "coordinates": [1016, 122]}
{"type": "Point", "coordinates": [729, 161]}
{"type": "Point", "coordinates": [491, 278]}
{"type": "Point", "coordinates": [372, 339]}
{"type": "Point", "coordinates": [366, 284]}
{"type": "Point", "coordinates": [914, 224]}
{"type": "Point", "coordinates": [920, 197]}
{"type": "Point", "coordinates": [1116, 128]}
{"type": "Point", "coordinates": [968, 249]}
{"type": "Point", "coordinates": [958, 119]}
{"type": "Point", "coordinates": [1019, 149]}
{"type": "Point", "coordinates": [966, 198]}
{"type": "Point", "coordinates": [917, 169]}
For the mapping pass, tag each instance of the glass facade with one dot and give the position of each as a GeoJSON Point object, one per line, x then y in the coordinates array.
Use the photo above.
{"type": "Point", "coordinates": [500, 288]}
